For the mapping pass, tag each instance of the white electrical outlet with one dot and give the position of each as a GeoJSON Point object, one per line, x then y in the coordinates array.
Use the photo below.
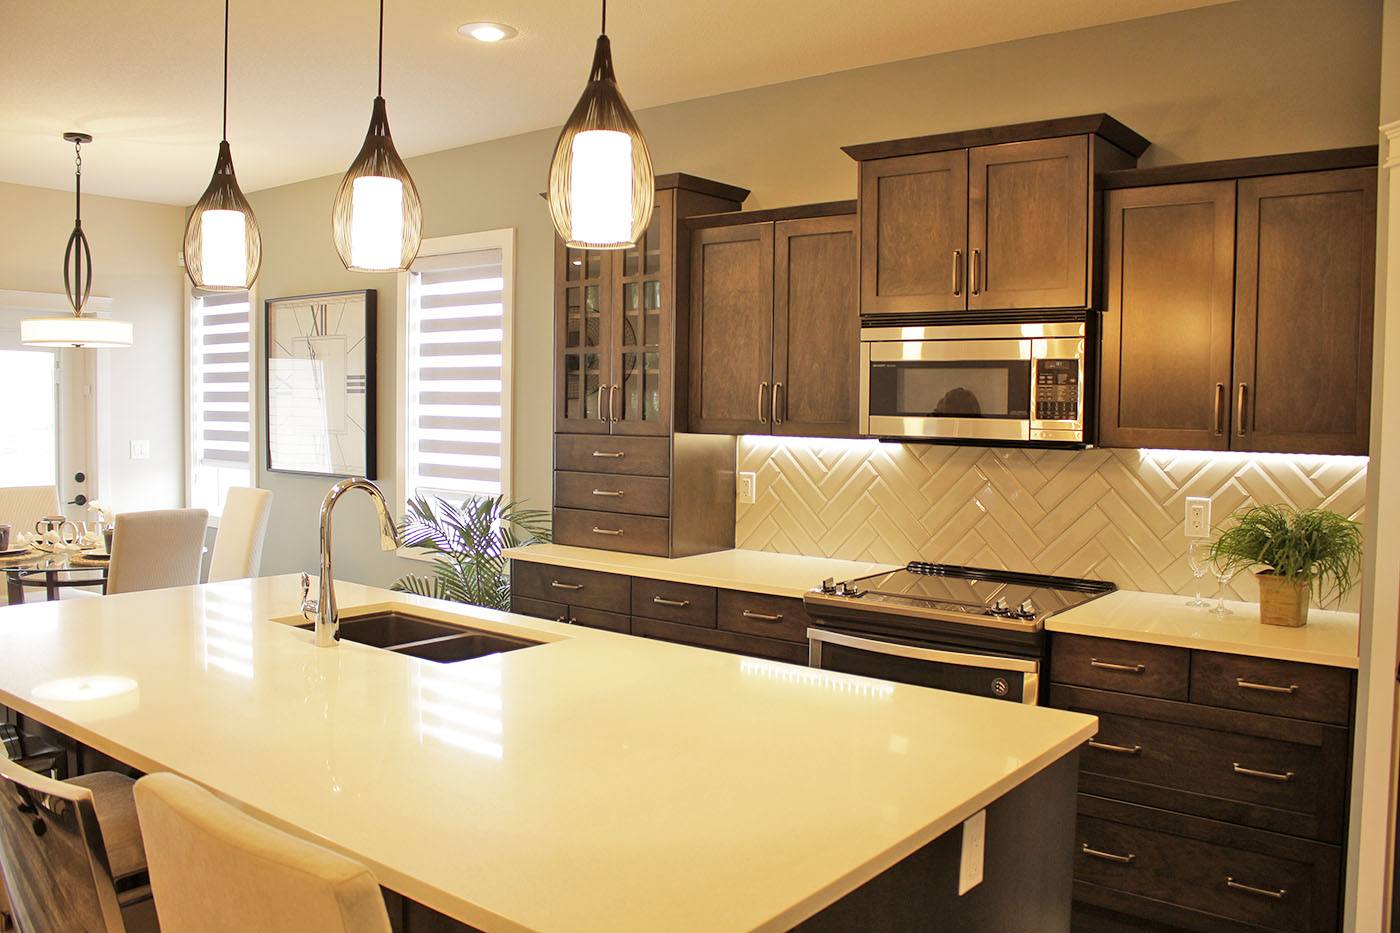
{"type": "Point", "coordinates": [974, 852]}
{"type": "Point", "coordinates": [140, 450]}
{"type": "Point", "coordinates": [1197, 517]}
{"type": "Point", "coordinates": [748, 488]}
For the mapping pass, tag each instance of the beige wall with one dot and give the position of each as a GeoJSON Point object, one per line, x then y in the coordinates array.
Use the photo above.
{"type": "Point", "coordinates": [1248, 78]}
{"type": "Point", "coordinates": [134, 250]}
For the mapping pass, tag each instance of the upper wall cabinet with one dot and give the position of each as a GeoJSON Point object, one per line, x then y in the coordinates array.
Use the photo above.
{"type": "Point", "coordinates": [775, 334]}
{"type": "Point", "coordinates": [988, 220]}
{"type": "Point", "coordinates": [1238, 310]}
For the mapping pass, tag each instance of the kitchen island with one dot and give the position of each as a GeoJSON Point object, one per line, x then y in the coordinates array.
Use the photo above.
{"type": "Point", "coordinates": [592, 782]}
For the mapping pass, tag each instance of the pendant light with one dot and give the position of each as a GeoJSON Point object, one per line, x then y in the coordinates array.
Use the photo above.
{"type": "Point", "coordinates": [223, 248]}
{"type": "Point", "coordinates": [601, 186]}
{"type": "Point", "coordinates": [80, 330]}
{"type": "Point", "coordinates": [377, 218]}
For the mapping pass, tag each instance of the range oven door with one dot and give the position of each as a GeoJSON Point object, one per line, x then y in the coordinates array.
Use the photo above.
{"type": "Point", "coordinates": [996, 676]}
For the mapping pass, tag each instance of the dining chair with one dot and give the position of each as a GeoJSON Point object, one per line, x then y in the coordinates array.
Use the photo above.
{"type": "Point", "coordinates": [242, 527]}
{"type": "Point", "coordinates": [155, 550]}
{"type": "Point", "coordinates": [22, 506]}
{"type": "Point", "coordinates": [66, 848]}
{"type": "Point", "coordinates": [214, 869]}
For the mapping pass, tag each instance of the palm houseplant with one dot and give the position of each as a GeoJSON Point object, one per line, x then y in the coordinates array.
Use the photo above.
{"type": "Point", "coordinates": [469, 542]}
{"type": "Point", "coordinates": [1302, 552]}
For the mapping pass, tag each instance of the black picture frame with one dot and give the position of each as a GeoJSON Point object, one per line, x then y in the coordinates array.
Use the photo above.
{"type": "Point", "coordinates": [290, 304]}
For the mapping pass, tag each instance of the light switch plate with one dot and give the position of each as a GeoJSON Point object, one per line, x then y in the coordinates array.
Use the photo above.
{"type": "Point", "coordinates": [1197, 517]}
{"type": "Point", "coordinates": [140, 450]}
{"type": "Point", "coordinates": [748, 488]}
{"type": "Point", "coordinates": [974, 852]}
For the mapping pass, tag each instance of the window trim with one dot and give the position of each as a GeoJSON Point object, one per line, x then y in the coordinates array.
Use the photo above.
{"type": "Point", "coordinates": [502, 238]}
{"type": "Point", "coordinates": [254, 336]}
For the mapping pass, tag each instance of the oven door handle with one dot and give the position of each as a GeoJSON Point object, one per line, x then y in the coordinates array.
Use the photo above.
{"type": "Point", "coordinates": [1029, 670]}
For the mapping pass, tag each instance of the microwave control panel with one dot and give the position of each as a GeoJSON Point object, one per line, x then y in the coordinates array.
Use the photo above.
{"type": "Point", "coordinates": [1057, 390]}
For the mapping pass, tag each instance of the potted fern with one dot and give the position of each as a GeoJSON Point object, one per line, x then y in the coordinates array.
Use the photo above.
{"type": "Point", "coordinates": [469, 541]}
{"type": "Point", "coordinates": [1302, 552]}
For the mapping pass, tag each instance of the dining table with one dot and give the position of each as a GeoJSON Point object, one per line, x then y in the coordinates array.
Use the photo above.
{"type": "Point", "coordinates": [53, 571]}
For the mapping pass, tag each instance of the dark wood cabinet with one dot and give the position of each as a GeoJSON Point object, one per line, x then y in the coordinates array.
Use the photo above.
{"type": "Point", "coordinates": [999, 219]}
{"type": "Point", "coordinates": [775, 334]}
{"type": "Point", "coordinates": [1304, 304]}
{"type": "Point", "coordinates": [1168, 320]}
{"type": "Point", "coordinates": [1238, 311]}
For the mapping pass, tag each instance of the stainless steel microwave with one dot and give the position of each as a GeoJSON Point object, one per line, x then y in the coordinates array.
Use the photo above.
{"type": "Point", "coordinates": [1003, 382]}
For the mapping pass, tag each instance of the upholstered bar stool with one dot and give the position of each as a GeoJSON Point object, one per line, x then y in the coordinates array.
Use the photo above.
{"type": "Point", "coordinates": [214, 869]}
{"type": "Point", "coordinates": [66, 848]}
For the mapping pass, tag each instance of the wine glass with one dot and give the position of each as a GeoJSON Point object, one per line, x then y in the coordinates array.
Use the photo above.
{"type": "Point", "coordinates": [1222, 574]}
{"type": "Point", "coordinates": [1196, 561]}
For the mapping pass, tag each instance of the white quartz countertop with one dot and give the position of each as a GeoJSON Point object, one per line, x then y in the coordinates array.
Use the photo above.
{"type": "Point", "coordinates": [1330, 637]}
{"type": "Point", "coordinates": [597, 782]}
{"type": "Point", "coordinates": [751, 571]}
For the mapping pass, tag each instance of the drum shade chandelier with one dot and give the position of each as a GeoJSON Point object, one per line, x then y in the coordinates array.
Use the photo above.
{"type": "Point", "coordinates": [80, 330]}
{"type": "Point", "coordinates": [378, 217]}
{"type": "Point", "coordinates": [223, 248]}
{"type": "Point", "coordinates": [601, 186]}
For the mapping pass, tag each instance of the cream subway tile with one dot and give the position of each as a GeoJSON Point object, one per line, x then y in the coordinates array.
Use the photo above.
{"type": "Point", "coordinates": [1083, 497]}
{"type": "Point", "coordinates": [1135, 533]}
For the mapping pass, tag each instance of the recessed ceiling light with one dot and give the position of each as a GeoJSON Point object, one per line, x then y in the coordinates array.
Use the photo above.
{"type": "Point", "coordinates": [488, 32]}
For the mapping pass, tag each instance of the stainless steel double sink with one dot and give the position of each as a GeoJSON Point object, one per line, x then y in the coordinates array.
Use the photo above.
{"type": "Point", "coordinates": [428, 639]}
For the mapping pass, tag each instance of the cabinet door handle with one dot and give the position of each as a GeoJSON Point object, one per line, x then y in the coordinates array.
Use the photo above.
{"type": "Point", "coordinates": [1240, 408]}
{"type": "Point", "coordinates": [564, 620]}
{"type": "Point", "coordinates": [1219, 409]}
{"type": "Point", "coordinates": [612, 403]}
{"type": "Point", "coordinates": [976, 272]}
{"type": "Point", "coordinates": [1266, 688]}
{"type": "Point", "coordinates": [1115, 666]}
{"type": "Point", "coordinates": [957, 272]}
{"type": "Point", "coordinates": [1116, 749]}
{"type": "Point", "coordinates": [610, 454]}
{"type": "Point", "coordinates": [762, 616]}
{"type": "Point", "coordinates": [603, 407]}
{"type": "Point", "coordinates": [777, 388]}
{"type": "Point", "coordinates": [607, 531]}
{"type": "Point", "coordinates": [677, 603]}
{"type": "Point", "coordinates": [610, 493]}
{"type": "Point", "coordinates": [1280, 776]}
{"type": "Point", "coordinates": [1106, 856]}
{"type": "Point", "coordinates": [1273, 893]}
{"type": "Point", "coordinates": [566, 586]}
{"type": "Point", "coordinates": [762, 415]}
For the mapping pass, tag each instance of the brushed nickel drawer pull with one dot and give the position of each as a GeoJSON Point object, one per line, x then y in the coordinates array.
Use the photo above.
{"type": "Point", "coordinates": [610, 454]}
{"type": "Point", "coordinates": [957, 272]}
{"type": "Point", "coordinates": [663, 601]}
{"type": "Point", "coordinates": [1267, 688]}
{"type": "Point", "coordinates": [1114, 666]}
{"type": "Point", "coordinates": [606, 531]}
{"type": "Point", "coordinates": [1275, 893]}
{"type": "Point", "coordinates": [1240, 409]}
{"type": "Point", "coordinates": [612, 403]}
{"type": "Point", "coordinates": [1280, 776]}
{"type": "Point", "coordinates": [603, 407]}
{"type": "Point", "coordinates": [976, 271]}
{"type": "Point", "coordinates": [762, 415]}
{"type": "Point", "coordinates": [762, 616]}
{"type": "Point", "coordinates": [773, 403]}
{"type": "Point", "coordinates": [1116, 749]}
{"type": "Point", "coordinates": [613, 493]}
{"type": "Point", "coordinates": [1106, 856]}
{"type": "Point", "coordinates": [566, 586]}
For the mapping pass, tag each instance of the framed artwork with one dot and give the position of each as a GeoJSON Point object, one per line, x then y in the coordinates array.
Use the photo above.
{"type": "Point", "coordinates": [320, 384]}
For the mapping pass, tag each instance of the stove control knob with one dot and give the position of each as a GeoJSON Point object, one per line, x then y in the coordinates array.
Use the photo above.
{"type": "Point", "coordinates": [1000, 605]}
{"type": "Point", "coordinates": [1027, 608]}
{"type": "Point", "coordinates": [828, 586]}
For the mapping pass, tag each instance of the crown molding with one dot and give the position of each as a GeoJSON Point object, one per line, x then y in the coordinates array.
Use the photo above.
{"type": "Point", "coordinates": [1391, 131]}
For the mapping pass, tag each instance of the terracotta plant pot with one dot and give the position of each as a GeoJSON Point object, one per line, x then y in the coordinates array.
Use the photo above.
{"type": "Point", "coordinates": [1282, 601]}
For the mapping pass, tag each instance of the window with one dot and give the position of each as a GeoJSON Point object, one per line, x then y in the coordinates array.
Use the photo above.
{"type": "Point", "coordinates": [220, 447]}
{"type": "Point", "coordinates": [454, 383]}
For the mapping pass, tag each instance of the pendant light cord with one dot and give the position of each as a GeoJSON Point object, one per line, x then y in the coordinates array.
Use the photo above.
{"type": "Point", "coordinates": [379, 88]}
{"type": "Point", "coordinates": [605, 17]}
{"type": "Point", "coordinates": [78, 184]}
{"type": "Point", "coordinates": [225, 133]}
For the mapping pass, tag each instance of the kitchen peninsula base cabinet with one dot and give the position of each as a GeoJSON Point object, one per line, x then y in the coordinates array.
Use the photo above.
{"type": "Point", "coordinates": [1214, 795]}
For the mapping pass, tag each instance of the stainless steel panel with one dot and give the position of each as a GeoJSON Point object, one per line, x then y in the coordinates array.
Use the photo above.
{"type": "Point", "coordinates": [975, 429]}
{"type": "Point", "coordinates": [975, 331]}
{"type": "Point", "coordinates": [950, 351]}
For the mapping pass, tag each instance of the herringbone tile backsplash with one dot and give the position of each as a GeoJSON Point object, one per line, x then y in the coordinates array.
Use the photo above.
{"type": "Point", "coordinates": [1108, 514]}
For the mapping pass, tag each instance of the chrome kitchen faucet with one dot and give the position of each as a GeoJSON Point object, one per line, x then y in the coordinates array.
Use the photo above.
{"type": "Point", "coordinates": [326, 615]}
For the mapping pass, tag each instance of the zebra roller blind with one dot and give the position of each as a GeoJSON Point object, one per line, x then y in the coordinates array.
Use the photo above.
{"type": "Point", "coordinates": [221, 397]}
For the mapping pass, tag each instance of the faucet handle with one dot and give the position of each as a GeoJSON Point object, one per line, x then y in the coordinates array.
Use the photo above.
{"type": "Point", "coordinates": [310, 608]}
{"type": "Point", "coordinates": [305, 585]}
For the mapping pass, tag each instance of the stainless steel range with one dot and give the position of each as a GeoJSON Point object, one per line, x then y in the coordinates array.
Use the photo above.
{"type": "Point", "coordinates": [966, 629]}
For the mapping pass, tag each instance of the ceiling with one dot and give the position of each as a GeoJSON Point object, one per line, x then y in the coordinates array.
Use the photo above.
{"type": "Point", "coordinates": [143, 76]}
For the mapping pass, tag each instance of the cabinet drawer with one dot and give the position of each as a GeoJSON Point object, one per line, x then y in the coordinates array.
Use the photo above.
{"type": "Point", "coordinates": [588, 588]}
{"type": "Point", "coordinates": [608, 492]}
{"type": "Point", "coordinates": [633, 456]}
{"type": "Point", "coordinates": [720, 640]}
{"type": "Point", "coordinates": [1262, 685]}
{"type": "Point", "coordinates": [673, 602]}
{"type": "Point", "coordinates": [764, 616]}
{"type": "Point", "coordinates": [634, 534]}
{"type": "Point", "coordinates": [597, 618]}
{"type": "Point", "coordinates": [1174, 867]}
{"type": "Point", "coordinates": [539, 608]}
{"type": "Point", "coordinates": [1125, 666]}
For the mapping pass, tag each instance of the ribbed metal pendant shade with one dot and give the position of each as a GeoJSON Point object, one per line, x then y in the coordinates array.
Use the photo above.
{"type": "Point", "coordinates": [601, 185]}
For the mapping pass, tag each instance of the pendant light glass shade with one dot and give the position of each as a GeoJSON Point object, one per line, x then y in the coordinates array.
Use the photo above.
{"type": "Point", "coordinates": [378, 216]}
{"type": "Point", "coordinates": [601, 186]}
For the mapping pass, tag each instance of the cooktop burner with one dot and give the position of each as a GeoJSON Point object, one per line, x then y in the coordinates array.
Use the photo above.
{"type": "Point", "coordinates": [998, 598]}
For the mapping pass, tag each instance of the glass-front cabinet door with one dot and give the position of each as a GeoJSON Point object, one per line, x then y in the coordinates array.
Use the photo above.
{"type": "Point", "coordinates": [583, 339]}
{"type": "Point", "coordinates": [640, 397]}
